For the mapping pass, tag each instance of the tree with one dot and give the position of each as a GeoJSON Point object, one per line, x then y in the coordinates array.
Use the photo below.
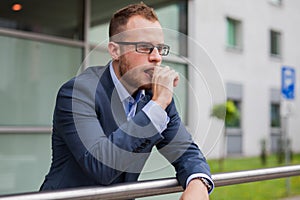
{"type": "Point", "coordinates": [226, 111]}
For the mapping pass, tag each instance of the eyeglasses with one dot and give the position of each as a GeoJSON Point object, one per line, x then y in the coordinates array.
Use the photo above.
{"type": "Point", "coordinates": [147, 48]}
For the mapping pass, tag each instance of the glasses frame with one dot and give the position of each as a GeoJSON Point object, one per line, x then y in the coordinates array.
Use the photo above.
{"type": "Point", "coordinates": [159, 46]}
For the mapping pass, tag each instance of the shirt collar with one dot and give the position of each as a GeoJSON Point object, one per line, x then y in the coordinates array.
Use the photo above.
{"type": "Point", "coordinates": [122, 92]}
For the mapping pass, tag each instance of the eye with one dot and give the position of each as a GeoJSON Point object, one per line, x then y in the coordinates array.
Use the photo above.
{"type": "Point", "coordinates": [144, 47]}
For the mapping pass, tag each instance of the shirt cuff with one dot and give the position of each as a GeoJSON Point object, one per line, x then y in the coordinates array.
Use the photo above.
{"type": "Point", "coordinates": [201, 175]}
{"type": "Point", "coordinates": [157, 115]}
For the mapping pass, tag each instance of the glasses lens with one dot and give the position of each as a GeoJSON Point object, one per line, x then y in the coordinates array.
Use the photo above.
{"type": "Point", "coordinates": [144, 47]}
{"type": "Point", "coordinates": [163, 49]}
{"type": "Point", "coordinates": [148, 48]}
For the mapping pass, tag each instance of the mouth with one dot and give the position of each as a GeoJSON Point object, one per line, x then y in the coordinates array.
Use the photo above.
{"type": "Point", "coordinates": [149, 72]}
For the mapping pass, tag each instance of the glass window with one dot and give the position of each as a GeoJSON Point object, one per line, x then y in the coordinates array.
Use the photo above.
{"type": "Point", "coordinates": [59, 18]}
{"type": "Point", "coordinates": [275, 40]}
{"type": "Point", "coordinates": [275, 142]}
{"type": "Point", "coordinates": [234, 33]}
{"type": "Point", "coordinates": [99, 56]}
{"type": "Point", "coordinates": [275, 115]}
{"type": "Point", "coordinates": [172, 16]}
{"type": "Point", "coordinates": [235, 122]}
{"type": "Point", "coordinates": [234, 144]}
{"type": "Point", "coordinates": [173, 19]}
{"type": "Point", "coordinates": [98, 34]}
{"type": "Point", "coordinates": [276, 2]}
{"type": "Point", "coordinates": [24, 161]}
{"type": "Point", "coordinates": [31, 74]}
{"type": "Point", "coordinates": [233, 126]}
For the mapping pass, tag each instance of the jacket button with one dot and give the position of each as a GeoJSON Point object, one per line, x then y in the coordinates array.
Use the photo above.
{"type": "Point", "coordinates": [147, 141]}
{"type": "Point", "coordinates": [137, 150]}
{"type": "Point", "coordinates": [144, 144]}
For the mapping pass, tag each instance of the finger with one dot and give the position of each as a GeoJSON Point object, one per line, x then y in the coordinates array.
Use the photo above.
{"type": "Point", "coordinates": [176, 80]}
{"type": "Point", "coordinates": [164, 73]}
{"type": "Point", "coordinates": [174, 76]}
{"type": "Point", "coordinates": [170, 74]}
{"type": "Point", "coordinates": [158, 73]}
{"type": "Point", "coordinates": [155, 73]}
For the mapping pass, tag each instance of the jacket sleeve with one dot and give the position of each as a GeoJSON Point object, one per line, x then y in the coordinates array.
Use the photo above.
{"type": "Point", "coordinates": [102, 156]}
{"type": "Point", "coordinates": [180, 150]}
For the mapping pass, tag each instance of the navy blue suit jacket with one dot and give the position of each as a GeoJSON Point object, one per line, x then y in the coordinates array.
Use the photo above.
{"type": "Point", "coordinates": [94, 144]}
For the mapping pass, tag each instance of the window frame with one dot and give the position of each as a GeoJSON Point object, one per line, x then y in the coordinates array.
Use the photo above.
{"type": "Point", "coordinates": [235, 93]}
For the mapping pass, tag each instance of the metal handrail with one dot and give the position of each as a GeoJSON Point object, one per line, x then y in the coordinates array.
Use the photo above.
{"type": "Point", "coordinates": [25, 129]}
{"type": "Point", "coordinates": [156, 187]}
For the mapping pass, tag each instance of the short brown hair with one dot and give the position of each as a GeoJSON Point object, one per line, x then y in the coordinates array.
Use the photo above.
{"type": "Point", "coordinates": [121, 17]}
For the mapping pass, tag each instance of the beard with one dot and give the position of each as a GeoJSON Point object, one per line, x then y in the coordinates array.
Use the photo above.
{"type": "Point", "coordinates": [135, 78]}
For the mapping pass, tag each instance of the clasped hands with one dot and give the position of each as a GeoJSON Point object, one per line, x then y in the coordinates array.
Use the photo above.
{"type": "Point", "coordinates": [164, 79]}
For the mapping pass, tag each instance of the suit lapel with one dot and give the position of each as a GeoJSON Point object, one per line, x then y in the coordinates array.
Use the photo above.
{"type": "Point", "coordinates": [114, 105]}
{"type": "Point", "coordinates": [117, 109]}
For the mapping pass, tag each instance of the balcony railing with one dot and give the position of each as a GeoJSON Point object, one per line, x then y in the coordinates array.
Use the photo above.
{"type": "Point", "coordinates": [156, 187]}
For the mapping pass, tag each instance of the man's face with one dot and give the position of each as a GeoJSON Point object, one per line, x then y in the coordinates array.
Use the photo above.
{"type": "Point", "coordinates": [135, 69]}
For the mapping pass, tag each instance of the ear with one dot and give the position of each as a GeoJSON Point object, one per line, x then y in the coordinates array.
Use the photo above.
{"type": "Point", "coordinates": [114, 50]}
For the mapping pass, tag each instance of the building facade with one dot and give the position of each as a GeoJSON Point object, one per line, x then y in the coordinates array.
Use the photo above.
{"type": "Point", "coordinates": [250, 42]}
{"type": "Point", "coordinates": [223, 50]}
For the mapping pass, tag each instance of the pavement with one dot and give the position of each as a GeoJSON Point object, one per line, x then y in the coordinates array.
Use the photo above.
{"type": "Point", "coordinates": [292, 198]}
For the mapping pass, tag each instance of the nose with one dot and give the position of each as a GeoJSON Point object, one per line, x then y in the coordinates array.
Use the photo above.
{"type": "Point", "coordinates": [154, 56]}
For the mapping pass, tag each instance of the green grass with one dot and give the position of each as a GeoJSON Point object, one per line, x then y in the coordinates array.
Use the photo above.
{"type": "Point", "coordinates": [262, 190]}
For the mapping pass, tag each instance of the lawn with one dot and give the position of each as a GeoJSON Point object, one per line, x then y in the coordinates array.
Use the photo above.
{"type": "Point", "coordinates": [262, 190]}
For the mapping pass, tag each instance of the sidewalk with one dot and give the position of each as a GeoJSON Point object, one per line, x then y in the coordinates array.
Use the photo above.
{"type": "Point", "coordinates": [292, 198]}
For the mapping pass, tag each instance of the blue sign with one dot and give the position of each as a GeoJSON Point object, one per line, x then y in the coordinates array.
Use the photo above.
{"type": "Point", "coordinates": [288, 79]}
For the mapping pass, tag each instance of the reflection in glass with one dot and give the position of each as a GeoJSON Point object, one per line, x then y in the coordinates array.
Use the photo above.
{"type": "Point", "coordinates": [172, 16]}
{"type": "Point", "coordinates": [24, 161]}
{"type": "Point", "coordinates": [31, 74]}
{"type": "Point", "coordinates": [58, 18]}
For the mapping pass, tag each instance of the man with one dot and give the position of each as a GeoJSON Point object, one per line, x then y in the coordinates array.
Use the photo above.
{"type": "Point", "coordinates": [107, 119]}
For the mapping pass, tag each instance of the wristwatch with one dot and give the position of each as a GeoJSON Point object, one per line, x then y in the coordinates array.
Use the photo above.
{"type": "Point", "coordinates": [205, 182]}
